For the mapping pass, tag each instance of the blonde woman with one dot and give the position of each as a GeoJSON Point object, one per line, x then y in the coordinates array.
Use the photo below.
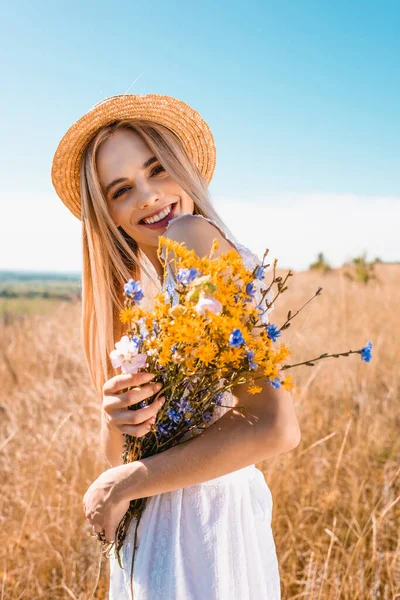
{"type": "Point", "coordinates": [133, 168]}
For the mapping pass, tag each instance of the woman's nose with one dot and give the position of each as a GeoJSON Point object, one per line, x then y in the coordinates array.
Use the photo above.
{"type": "Point", "coordinates": [147, 196]}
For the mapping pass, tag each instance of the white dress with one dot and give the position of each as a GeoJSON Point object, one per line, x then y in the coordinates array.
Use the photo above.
{"type": "Point", "coordinates": [209, 541]}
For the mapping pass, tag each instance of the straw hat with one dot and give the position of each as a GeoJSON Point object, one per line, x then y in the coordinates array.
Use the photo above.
{"type": "Point", "coordinates": [174, 114]}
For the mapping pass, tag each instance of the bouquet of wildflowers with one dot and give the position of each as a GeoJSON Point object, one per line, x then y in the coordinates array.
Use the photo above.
{"type": "Point", "coordinates": [208, 334]}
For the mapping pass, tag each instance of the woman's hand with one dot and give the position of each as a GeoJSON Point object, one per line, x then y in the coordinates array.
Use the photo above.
{"type": "Point", "coordinates": [116, 414]}
{"type": "Point", "coordinates": [104, 504]}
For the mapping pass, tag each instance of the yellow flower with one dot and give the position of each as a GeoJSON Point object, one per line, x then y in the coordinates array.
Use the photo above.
{"type": "Point", "coordinates": [126, 315]}
{"type": "Point", "coordinates": [206, 353]}
{"type": "Point", "coordinates": [254, 389]}
{"type": "Point", "coordinates": [287, 383]}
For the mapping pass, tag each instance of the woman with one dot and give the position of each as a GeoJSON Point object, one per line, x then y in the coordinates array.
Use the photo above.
{"type": "Point", "coordinates": [206, 531]}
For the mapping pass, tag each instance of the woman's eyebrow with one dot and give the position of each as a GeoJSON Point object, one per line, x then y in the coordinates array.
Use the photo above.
{"type": "Point", "coordinates": [148, 162]}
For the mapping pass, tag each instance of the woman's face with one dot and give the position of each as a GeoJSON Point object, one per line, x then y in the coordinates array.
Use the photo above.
{"type": "Point", "coordinates": [136, 186]}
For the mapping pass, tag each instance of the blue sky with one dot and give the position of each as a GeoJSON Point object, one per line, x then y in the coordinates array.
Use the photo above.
{"type": "Point", "coordinates": [302, 99]}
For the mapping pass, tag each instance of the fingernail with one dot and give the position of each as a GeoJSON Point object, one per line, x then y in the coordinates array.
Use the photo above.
{"type": "Point", "coordinates": [162, 400]}
{"type": "Point", "coordinates": [152, 420]}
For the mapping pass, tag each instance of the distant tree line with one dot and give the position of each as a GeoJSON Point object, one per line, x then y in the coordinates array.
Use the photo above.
{"type": "Point", "coordinates": [357, 269]}
{"type": "Point", "coordinates": [66, 296]}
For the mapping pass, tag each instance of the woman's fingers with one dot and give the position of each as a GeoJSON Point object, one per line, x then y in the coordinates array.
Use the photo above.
{"type": "Point", "coordinates": [136, 417]}
{"type": "Point", "coordinates": [124, 380]}
{"type": "Point", "coordinates": [138, 394]}
{"type": "Point", "coordinates": [133, 422]}
{"type": "Point", "coordinates": [138, 430]}
{"type": "Point", "coordinates": [112, 403]}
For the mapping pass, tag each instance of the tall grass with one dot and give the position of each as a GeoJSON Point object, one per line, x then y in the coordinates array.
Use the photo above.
{"type": "Point", "coordinates": [336, 496]}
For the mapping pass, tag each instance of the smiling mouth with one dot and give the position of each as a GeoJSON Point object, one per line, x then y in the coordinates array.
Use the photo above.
{"type": "Point", "coordinates": [162, 222]}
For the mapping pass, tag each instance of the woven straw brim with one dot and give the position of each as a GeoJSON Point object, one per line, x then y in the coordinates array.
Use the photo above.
{"type": "Point", "coordinates": [174, 114]}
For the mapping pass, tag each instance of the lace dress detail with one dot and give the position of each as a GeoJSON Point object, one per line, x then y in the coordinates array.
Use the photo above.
{"type": "Point", "coordinates": [209, 541]}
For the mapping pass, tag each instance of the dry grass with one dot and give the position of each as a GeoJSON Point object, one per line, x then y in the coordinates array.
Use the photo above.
{"type": "Point", "coordinates": [336, 496]}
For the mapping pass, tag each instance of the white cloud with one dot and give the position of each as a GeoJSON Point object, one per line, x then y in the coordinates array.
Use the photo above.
{"type": "Point", "coordinates": [39, 233]}
{"type": "Point", "coordinates": [296, 227]}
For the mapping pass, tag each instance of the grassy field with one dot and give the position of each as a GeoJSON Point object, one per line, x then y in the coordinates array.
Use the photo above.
{"type": "Point", "coordinates": [336, 496]}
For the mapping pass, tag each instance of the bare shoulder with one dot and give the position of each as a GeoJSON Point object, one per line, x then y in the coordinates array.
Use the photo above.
{"type": "Point", "coordinates": [198, 234]}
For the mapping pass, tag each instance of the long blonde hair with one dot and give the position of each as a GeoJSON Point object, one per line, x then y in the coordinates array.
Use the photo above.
{"type": "Point", "coordinates": [110, 255]}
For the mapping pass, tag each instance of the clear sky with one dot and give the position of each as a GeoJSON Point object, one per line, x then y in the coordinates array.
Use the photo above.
{"type": "Point", "coordinates": [302, 99]}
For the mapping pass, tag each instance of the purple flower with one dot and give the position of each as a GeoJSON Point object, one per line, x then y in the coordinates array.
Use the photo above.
{"type": "Point", "coordinates": [182, 405]}
{"type": "Point", "coordinates": [252, 364]}
{"type": "Point", "coordinates": [163, 429]}
{"type": "Point", "coordinates": [143, 329]}
{"type": "Point", "coordinates": [236, 339]}
{"type": "Point", "coordinates": [156, 329]}
{"type": "Point", "coordinates": [273, 332]}
{"type": "Point", "coordinates": [207, 416]}
{"type": "Point", "coordinates": [133, 290]}
{"type": "Point", "coordinates": [169, 291]}
{"type": "Point", "coordinates": [275, 382]}
{"type": "Point", "coordinates": [185, 276]}
{"type": "Point", "coordinates": [218, 398]}
{"type": "Point", "coordinates": [174, 415]}
{"type": "Point", "coordinates": [250, 290]}
{"type": "Point", "coordinates": [259, 273]}
{"type": "Point", "coordinates": [366, 354]}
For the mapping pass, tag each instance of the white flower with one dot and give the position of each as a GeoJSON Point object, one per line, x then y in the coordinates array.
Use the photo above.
{"type": "Point", "coordinates": [208, 303]}
{"type": "Point", "coordinates": [127, 356]}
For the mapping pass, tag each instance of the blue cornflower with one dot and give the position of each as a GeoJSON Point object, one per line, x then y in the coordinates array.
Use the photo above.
{"type": "Point", "coordinates": [182, 405]}
{"type": "Point", "coordinates": [156, 328]}
{"type": "Point", "coordinates": [260, 273]}
{"type": "Point", "coordinates": [185, 276]}
{"type": "Point", "coordinates": [163, 429]}
{"type": "Point", "coordinates": [133, 289]}
{"type": "Point", "coordinates": [169, 291]}
{"type": "Point", "coordinates": [143, 329]}
{"type": "Point", "coordinates": [142, 404]}
{"type": "Point", "coordinates": [274, 382]}
{"type": "Point", "coordinates": [260, 310]}
{"type": "Point", "coordinates": [136, 340]}
{"type": "Point", "coordinates": [273, 332]}
{"type": "Point", "coordinates": [174, 415]}
{"type": "Point", "coordinates": [207, 416]}
{"type": "Point", "coordinates": [250, 290]}
{"type": "Point", "coordinates": [366, 354]}
{"type": "Point", "coordinates": [218, 398]}
{"type": "Point", "coordinates": [236, 339]}
{"type": "Point", "coordinates": [174, 348]}
{"type": "Point", "coordinates": [250, 355]}
{"type": "Point", "coordinates": [202, 393]}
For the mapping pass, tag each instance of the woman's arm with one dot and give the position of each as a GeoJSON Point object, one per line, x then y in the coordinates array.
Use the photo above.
{"type": "Point", "coordinates": [268, 427]}
{"type": "Point", "coordinates": [112, 444]}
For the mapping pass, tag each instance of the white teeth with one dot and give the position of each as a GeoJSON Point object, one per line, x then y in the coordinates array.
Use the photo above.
{"type": "Point", "coordinates": [160, 215]}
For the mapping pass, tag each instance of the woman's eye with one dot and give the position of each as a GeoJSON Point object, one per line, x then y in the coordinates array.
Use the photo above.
{"type": "Point", "coordinates": [118, 193]}
{"type": "Point", "coordinates": [157, 169]}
